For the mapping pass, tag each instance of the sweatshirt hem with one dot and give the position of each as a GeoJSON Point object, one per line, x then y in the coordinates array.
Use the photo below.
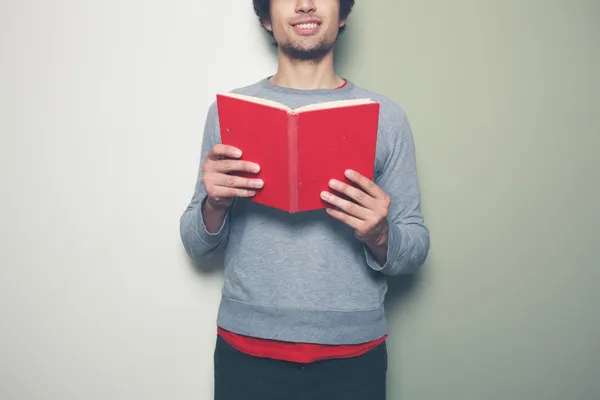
{"type": "Point", "coordinates": [302, 325]}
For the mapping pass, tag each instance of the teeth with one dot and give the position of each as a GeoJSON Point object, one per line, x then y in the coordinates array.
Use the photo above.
{"type": "Point", "coordinates": [307, 26]}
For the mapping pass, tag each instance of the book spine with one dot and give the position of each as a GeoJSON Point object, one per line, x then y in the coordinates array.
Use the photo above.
{"type": "Point", "coordinates": [292, 142]}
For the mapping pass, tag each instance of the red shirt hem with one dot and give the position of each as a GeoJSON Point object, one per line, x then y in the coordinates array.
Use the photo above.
{"type": "Point", "coordinates": [295, 352]}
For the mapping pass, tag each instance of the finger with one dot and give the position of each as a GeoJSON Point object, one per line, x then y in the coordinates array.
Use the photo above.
{"type": "Point", "coordinates": [232, 181]}
{"type": "Point", "coordinates": [222, 150]}
{"type": "Point", "coordinates": [229, 165]}
{"type": "Point", "coordinates": [365, 183]}
{"type": "Point", "coordinates": [345, 218]}
{"type": "Point", "coordinates": [222, 191]}
{"type": "Point", "coordinates": [349, 207]}
{"type": "Point", "coordinates": [358, 195]}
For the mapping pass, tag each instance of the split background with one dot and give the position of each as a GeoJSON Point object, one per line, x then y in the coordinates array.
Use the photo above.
{"type": "Point", "coordinates": [102, 106]}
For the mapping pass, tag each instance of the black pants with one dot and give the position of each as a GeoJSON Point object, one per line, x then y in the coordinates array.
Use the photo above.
{"type": "Point", "coordinates": [238, 376]}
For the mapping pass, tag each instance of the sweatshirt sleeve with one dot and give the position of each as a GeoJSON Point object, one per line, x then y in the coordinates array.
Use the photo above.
{"type": "Point", "coordinates": [199, 243]}
{"type": "Point", "coordinates": [408, 240]}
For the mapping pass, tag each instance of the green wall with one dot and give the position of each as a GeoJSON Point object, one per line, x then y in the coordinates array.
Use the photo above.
{"type": "Point", "coordinates": [503, 100]}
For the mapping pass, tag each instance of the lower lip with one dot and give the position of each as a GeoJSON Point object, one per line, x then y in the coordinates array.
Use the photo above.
{"type": "Point", "coordinates": [306, 31]}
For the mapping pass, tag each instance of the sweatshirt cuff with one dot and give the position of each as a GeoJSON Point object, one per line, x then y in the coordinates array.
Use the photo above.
{"type": "Point", "coordinates": [393, 249]}
{"type": "Point", "coordinates": [205, 236]}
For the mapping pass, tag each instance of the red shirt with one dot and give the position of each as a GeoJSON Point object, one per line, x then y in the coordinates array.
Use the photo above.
{"type": "Point", "coordinates": [295, 352]}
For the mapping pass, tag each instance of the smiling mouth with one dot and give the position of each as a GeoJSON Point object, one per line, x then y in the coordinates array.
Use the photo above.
{"type": "Point", "coordinates": [306, 28]}
{"type": "Point", "coordinates": [309, 25]}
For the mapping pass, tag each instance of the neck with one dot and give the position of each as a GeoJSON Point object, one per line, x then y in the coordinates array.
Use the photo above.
{"type": "Point", "coordinates": [306, 74]}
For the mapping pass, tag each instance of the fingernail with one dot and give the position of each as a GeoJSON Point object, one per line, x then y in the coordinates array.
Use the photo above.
{"type": "Point", "coordinates": [334, 184]}
{"type": "Point", "coordinates": [324, 195]}
{"type": "Point", "coordinates": [259, 183]}
{"type": "Point", "coordinates": [256, 168]}
{"type": "Point", "coordinates": [237, 153]}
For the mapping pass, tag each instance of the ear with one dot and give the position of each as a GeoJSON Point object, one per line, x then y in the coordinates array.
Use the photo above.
{"type": "Point", "coordinates": [268, 26]}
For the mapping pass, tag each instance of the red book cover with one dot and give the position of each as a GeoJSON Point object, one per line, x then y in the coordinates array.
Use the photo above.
{"type": "Point", "coordinates": [300, 150]}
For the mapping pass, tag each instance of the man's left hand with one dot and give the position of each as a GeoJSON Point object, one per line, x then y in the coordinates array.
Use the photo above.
{"type": "Point", "coordinates": [367, 214]}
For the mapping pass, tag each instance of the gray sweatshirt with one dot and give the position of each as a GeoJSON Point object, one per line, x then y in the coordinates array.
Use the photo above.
{"type": "Point", "coordinates": [305, 277]}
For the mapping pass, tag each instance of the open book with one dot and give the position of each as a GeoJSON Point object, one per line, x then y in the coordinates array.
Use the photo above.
{"type": "Point", "coordinates": [300, 150]}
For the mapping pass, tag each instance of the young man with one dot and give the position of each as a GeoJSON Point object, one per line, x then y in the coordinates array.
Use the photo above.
{"type": "Point", "coordinates": [301, 314]}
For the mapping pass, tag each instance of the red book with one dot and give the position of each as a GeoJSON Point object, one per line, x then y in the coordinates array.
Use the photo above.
{"type": "Point", "coordinates": [300, 150]}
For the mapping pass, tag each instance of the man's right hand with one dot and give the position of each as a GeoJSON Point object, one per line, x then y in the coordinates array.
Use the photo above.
{"type": "Point", "coordinates": [221, 186]}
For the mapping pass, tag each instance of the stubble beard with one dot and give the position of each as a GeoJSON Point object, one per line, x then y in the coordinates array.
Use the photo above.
{"type": "Point", "coordinates": [301, 52]}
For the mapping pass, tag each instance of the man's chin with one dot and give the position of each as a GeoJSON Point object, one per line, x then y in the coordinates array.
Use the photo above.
{"type": "Point", "coordinates": [305, 53]}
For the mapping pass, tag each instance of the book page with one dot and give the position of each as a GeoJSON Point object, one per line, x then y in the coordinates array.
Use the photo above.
{"type": "Point", "coordinates": [257, 100]}
{"type": "Point", "coordinates": [333, 104]}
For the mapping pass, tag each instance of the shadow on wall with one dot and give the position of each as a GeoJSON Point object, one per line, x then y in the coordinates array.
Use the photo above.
{"type": "Point", "coordinates": [213, 266]}
{"type": "Point", "coordinates": [400, 291]}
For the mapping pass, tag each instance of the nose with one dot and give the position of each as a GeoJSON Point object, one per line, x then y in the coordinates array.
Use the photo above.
{"type": "Point", "coordinates": [305, 6]}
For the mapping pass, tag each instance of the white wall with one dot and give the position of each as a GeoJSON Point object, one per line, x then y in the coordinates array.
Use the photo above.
{"type": "Point", "coordinates": [102, 105]}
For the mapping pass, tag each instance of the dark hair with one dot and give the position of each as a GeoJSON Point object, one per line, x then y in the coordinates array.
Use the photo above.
{"type": "Point", "coordinates": [262, 9]}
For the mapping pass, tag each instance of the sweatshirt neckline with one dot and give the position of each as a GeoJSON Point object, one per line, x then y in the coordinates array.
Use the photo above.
{"type": "Point", "coordinates": [265, 84]}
